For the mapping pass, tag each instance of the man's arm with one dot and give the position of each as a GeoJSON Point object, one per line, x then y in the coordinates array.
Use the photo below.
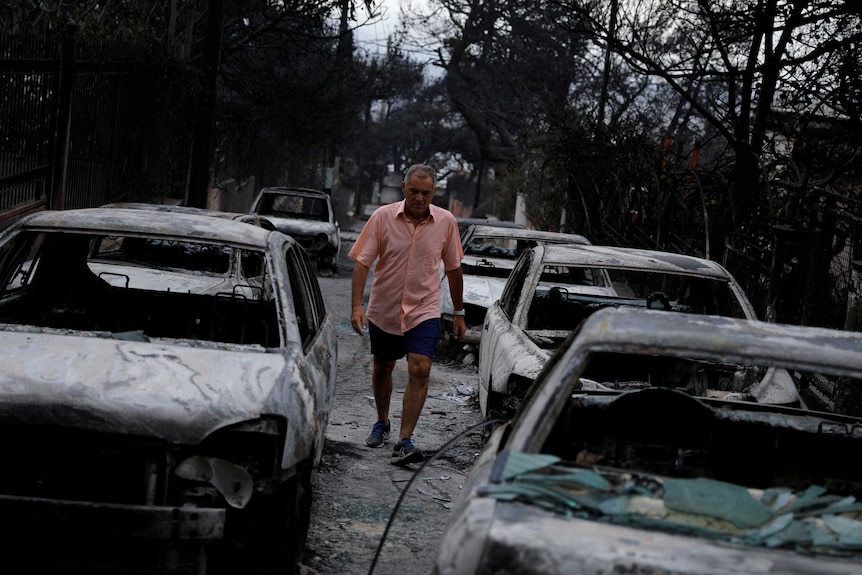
{"type": "Point", "coordinates": [456, 289]}
{"type": "Point", "coordinates": [357, 314]}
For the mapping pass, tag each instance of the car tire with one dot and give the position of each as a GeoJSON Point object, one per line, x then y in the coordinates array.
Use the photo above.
{"type": "Point", "coordinates": [298, 495]}
{"type": "Point", "coordinates": [281, 541]}
{"type": "Point", "coordinates": [273, 532]}
{"type": "Point", "coordinates": [496, 406]}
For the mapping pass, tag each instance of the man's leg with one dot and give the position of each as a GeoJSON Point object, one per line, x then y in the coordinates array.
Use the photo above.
{"type": "Point", "coordinates": [419, 370]}
{"type": "Point", "coordinates": [381, 382]}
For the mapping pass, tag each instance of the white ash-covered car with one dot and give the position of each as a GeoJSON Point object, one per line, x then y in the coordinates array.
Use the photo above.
{"type": "Point", "coordinates": [166, 381]}
{"type": "Point", "coordinates": [464, 224]}
{"type": "Point", "coordinates": [663, 479]}
{"type": "Point", "coordinates": [252, 219]}
{"type": "Point", "coordinates": [490, 253]}
{"type": "Point", "coordinates": [307, 216]}
{"type": "Point", "coordinates": [554, 287]}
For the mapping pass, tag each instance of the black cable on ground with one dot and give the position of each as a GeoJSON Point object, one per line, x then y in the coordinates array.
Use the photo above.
{"type": "Point", "coordinates": [428, 461]}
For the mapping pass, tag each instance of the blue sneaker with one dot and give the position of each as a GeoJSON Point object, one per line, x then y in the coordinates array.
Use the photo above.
{"type": "Point", "coordinates": [405, 452]}
{"type": "Point", "coordinates": [379, 434]}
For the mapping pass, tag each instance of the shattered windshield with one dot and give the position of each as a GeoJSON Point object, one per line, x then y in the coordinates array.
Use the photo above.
{"type": "Point", "coordinates": [496, 248]}
{"type": "Point", "coordinates": [140, 287]}
{"type": "Point", "coordinates": [163, 254]}
{"type": "Point", "coordinates": [621, 372]}
{"type": "Point", "coordinates": [566, 295]}
{"type": "Point", "coordinates": [809, 519]}
{"type": "Point", "coordinates": [295, 206]}
{"type": "Point", "coordinates": [492, 256]}
{"type": "Point", "coordinates": [667, 443]}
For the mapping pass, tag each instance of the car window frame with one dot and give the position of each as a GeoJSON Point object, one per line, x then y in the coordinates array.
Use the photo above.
{"type": "Point", "coordinates": [19, 257]}
{"type": "Point", "coordinates": [513, 290]}
{"type": "Point", "coordinates": [305, 293]}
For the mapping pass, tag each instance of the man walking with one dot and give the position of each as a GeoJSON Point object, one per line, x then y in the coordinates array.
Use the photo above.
{"type": "Point", "coordinates": [408, 239]}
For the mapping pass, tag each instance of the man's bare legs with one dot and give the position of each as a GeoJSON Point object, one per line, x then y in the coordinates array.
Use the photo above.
{"type": "Point", "coordinates": [381, 382]}
{"type": "Point", "coordinates": [419, 371]}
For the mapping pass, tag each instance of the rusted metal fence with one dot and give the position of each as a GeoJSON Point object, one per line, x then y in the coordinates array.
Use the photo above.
{"type": "Point", "coordinates": [97, 113]}
{"type": "Point", "coordinates": [61, 123]}
{"type": "Point", "coordinates": [29, 81]}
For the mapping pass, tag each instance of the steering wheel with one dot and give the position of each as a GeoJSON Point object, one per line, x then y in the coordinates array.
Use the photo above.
{"type": "Point", "coordinates": [558, 294]}
{"type": "Point", "coordinates": [658, 300]}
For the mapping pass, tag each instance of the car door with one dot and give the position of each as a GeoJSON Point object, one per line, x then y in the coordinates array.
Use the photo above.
{"type": "Point", "coordinates": [317, 333]}
{"type": "Point", "coordinates": [499, 332]}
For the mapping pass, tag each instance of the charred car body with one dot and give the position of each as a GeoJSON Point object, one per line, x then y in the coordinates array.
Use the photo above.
{"type": "Point", "coordinates": [307, 216]}
{"type": "Point", "coordinates": [179, 369]}
{"type": "Point", "coordinates": [553, 288]}
{"type": "Point", "coordinates": [252, 219]}
{"type": "Point", "coordinates": [490, 253]}
{"type": "Point", "coordinates": [626, 457]}
{"type": "Point", "coordinates": [464, 224]}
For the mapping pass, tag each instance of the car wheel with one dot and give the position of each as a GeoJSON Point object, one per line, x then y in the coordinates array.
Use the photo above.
{"type": "Point", "coordinates": [284, 532]}
{"type": "Point", "coordinates": [496, 407]}
{"type": "Point", "coordinates": [273, 533]}
{"type": "Point", "coordinates": [299, 511]}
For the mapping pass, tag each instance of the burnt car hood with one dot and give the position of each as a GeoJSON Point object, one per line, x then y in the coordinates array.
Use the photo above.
{"type": "Point", "coordinates": [527, 540]}
{"type": "Point", "coordinates": [304, 227]}
{"type": "Point", "coordinates": [173, 392]}
{"type": "Point", "coordinates": [482, 291]}
{"type": "Point", "coordinates": [479, 291]}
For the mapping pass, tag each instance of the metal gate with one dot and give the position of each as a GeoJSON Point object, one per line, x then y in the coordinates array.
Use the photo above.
{"type": "Point", "coordinates": [61, 114]}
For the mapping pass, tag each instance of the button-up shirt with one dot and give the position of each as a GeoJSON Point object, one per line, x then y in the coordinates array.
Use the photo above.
{"type": "Point", "coordinates": [406, 287]}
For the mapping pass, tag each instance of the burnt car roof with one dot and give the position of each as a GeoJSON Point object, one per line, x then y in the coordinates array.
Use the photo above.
{"type": "Point", "coordinates": [466, 222]}
{"type": "Point", "coordinates": [631, 258]}
{"type": "Point", "coordinates": [736, 340]}
{"type": "Point", "coordinates": [150, 223]}
{"type": "Point", "coordinates": [253, 219]}
{"type": "Point", "coordinates": [482, 230]}
{"type": "Point", "coordinates": [294, 191]}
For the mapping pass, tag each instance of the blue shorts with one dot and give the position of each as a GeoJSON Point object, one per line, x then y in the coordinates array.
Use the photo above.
{"type": "Point", "coordinates": [421, 339]}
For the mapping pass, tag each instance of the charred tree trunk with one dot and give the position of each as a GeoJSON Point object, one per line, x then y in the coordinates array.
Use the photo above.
{"type": "Point", "coordinates": [201, 169]}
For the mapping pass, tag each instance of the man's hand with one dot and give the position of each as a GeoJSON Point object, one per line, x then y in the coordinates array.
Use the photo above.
{"type": "Point", "coordinates": [459, 327]}
{"type": "Point", "coordinates": [456, 289]}
{"type": "Point", "coordinates": [357, 286]}
{"type": "Point", "coordinates": [357, 320]}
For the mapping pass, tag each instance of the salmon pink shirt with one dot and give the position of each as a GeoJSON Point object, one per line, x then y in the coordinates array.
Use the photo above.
{"type": "Point", "coordinates": [406, 287]}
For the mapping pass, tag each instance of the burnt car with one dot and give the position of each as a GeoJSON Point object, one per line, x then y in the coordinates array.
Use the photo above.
{"type": "Point", "coordinates": [166, 381]}
{"type": "Point", "coordinates": [252, 219]}
{"type": "Point", "coordinates": [490, 253]}
{"type": "Point", "coordinates": [306, 215]}
{"type": "Point", "coordinates": [464, 224]}
{"type": "Point", "coordinates": [618, 462]}
{"type": "Point", "coordinates": [554, 287]}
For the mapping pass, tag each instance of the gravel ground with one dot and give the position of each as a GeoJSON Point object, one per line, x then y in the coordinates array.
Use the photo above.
{"type": "Point", "coordinates": [356, 488]}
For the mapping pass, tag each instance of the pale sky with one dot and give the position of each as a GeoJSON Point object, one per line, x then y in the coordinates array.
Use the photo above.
{"type": "Point", "coordinates": [373, 36]}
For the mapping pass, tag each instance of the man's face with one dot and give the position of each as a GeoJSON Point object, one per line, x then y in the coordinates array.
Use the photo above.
{"type": "Point", "coordinates": [418, 192]}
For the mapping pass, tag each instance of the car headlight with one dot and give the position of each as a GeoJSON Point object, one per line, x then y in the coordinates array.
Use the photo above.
{"type": "Point", "coordinates": [233, 482]}
{"type": "Point", "coordinates": [233, 463]}
{"type": "Point", "coordinates": [518, 388]}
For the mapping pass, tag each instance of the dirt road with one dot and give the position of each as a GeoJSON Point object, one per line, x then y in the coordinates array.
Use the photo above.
{"type": "Point", "coordinates": [356, 488]}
